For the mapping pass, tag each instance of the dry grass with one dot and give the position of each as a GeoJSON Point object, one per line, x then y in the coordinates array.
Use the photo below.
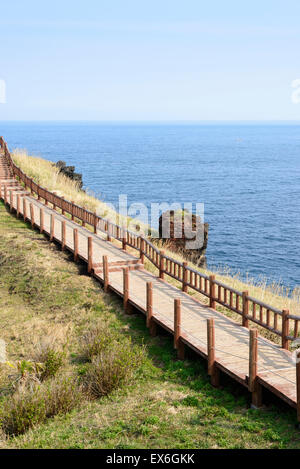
{"type": "Point", "coordinates": [46, 174]}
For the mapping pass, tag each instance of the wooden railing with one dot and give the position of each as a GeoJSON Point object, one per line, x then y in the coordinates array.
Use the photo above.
{"type": "Point", "coordinates": [280, 323]}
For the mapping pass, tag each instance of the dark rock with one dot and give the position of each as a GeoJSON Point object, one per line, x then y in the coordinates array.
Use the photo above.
{"type": "Point", "coordinates": [69, 171]}
{"type": "Point", "coordinates": [184, 233]}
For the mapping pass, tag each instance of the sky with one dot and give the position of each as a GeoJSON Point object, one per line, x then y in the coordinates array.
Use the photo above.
{"type": "Point", "coordinates": [142, 60]}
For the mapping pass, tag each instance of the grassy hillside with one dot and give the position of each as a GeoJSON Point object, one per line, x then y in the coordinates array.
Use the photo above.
{"type": "Point", "coordinates": [47, 299]}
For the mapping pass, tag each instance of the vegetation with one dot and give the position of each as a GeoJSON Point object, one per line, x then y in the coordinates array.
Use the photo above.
{"type": "Point", "coordinates": [54, 317]}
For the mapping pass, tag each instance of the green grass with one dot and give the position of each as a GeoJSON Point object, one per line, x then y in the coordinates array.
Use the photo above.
{"type": "Point", "coordinates": [169, 404]}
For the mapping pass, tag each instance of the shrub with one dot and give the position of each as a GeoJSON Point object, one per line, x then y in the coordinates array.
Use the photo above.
{"type": "Point", "coordinates": [62, 395]}
{"type": "Point", "coordinates": [29, 406]}
{"type": "Point", "coordinates": [52, 362]}
{"type": "Point", "coordinates": [23, 410]}
{"type": "Point", "coordinates": [50, 352]}
{"type": "Point", "coordinates": [95, 340]}
{"type": "Point", "coordinates": [112, 368]}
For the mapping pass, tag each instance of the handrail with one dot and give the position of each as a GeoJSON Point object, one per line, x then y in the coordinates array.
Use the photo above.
{"type": "Point", "coordinates": [217, 292]}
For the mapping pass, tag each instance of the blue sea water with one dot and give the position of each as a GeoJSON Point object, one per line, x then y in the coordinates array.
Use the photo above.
{"type": "Point", "coordinates": [247, 176]}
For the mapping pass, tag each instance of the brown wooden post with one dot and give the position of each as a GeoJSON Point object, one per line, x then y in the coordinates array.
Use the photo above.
{"type": "Point", "coordinates": [245, 319]}
{"type": "Point", "coordinates": [32, 214]}
{"type": "Point", "coordinates": [38, 193]}
{"type": "Point", "coordinates": [24, 209]}
{"type": "Point", "coordinates": [75, 240]}
{"type": "Point", "coordinates": [52, 221]}
{"type": "Point", "coordinates": [11, 201]}
{"type": "Point", "coordinates": [150, 322]}
{"type": "Point", "coordinates": [108, 232]}
{"type": "Point", "coordinates": [90, 254]}
{"type": "Point", "coordinates": [213, 371]}
{"type": "Point", "coordinates": [142, 250]}
{"type": "Point", "coordinates": [212, 291]}
{"type": "Point", "coordinates": [178, 344]}
{"type": "Point", "coordinates": [18, 205]}
{"type": "Point", "coordinates": [46, 200]}
{"type": "Point", "coordinates": [298, 385]}
{"type": "Point", "coordinates": [31, 190]}
{"type": "Point", "coordinates": [285, 329]}
{"type": "Point", "coordinates": [95, 223]}
{"type": "Point", "coordinates": [162, 265]}
{"type": "Point", "coordinates": [254, 386]}
{"type": "Point", "coordinates": [177, 321]}
{"type": "Point", "coordinates": [41, 220]}
{"type": "Point", "coordinates": [54, 206]}
{"type": "Point", "coordinates": [124, 239]}
{"type": "Point", "coordinates": [72, 210]}
{"type": "Point", "coordinates": [62, 206]}
{"type": "Point", "coordinates": [126, 289]}
{"type": "Point", "coordinates": [105, 273]}
{"type": "Point", "coordinates": [149, 302]}
{"type": "Point", "coordinates": [184, 277]}
{"type": "Point", "coordinates": [83, 220]}
{"type": "Point", "coordinates": [63, 235]}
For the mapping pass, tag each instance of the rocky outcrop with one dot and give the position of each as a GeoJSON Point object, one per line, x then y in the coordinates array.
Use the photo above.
{"type": "Point", "coordinates": [184, 232]}
{"type": "Point", "coordinates": [69, 171]}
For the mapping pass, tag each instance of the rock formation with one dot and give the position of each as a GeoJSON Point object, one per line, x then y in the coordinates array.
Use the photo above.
{"type": "Point", "coordinates": [184, 232]}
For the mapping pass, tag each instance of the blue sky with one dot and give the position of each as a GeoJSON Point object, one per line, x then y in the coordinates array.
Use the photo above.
{"type": "Point", "coordinates": [150, 60]}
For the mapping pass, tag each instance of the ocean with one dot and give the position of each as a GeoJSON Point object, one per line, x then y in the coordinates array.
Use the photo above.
{"type": "Point", "coordinates": [246, 175]}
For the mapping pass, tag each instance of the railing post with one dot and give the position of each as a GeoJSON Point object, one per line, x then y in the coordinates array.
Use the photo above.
{"type": "Point", "coordinates": [10, 200]}
{"type": "Point", "coordinates": [124, 238]}
{"type": "Point", "coordinates": [298, 385]}
{"type": "Point", "coordinates": [54, 205]}
{"type": "Point", "coordinates": [105, 273]}
{"type": "Point", "coordinates": [24, 209]}
{"type": "Point", "coordinates": [178, 344]}
{"type": "Point", "coordinates": [184, 277]}
{"type": "Point", "coordinates": [142, 250]}
{"type": "Point", "coordinates": [126, 289]}
{"type": "Point", "coordinates": [90, 254]}
{"type": "Point", "coordinates": [72, 210]}
{"type": "Point", "coordinates": [95, 223]}
{"type": "Point", "coordinates": [254, 386]}
{"type": "Point", "coordinates": [83, 220]}
{"type": "Point", "coordinates": [108, 232]}
{"type": "Point", "coordinates": [62, 206]}
{"type": "Point", "coordinates": [285, 329]}
{"type": "Point", "coordinates": [245, 319]}
{"type": "Point", "coordinates": [41, 220]}
{"type": "Point", "coordinates": [75, 238]}
{"type": "Point", "coordinates": [213, 371]}
{"type": "Point", "coordinates": [31, 181]}
{"type": "Point", "coordinates": [32, 215]}
{"type": "Point", "coordinates": [52, 221]}
{"type": "Point", "coordinates": [5, 194]}
{"type": "Point", "coordinates": [212, 291]}
{"type": "Point", "coordinates": [149, 300]}
{"type": "Point", "coordinates": [63, 235]}
{"type": "Point", "coordinates": [161, 265]}
{"type": "Point", "coordinates": [18, 205]}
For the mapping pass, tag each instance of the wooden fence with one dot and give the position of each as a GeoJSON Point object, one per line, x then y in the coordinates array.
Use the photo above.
{"type": "Point", "coordinates": [281, 323]}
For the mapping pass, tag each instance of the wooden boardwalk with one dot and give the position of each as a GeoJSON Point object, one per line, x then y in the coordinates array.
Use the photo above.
{"type": "Point", "coordinates": [227, 349]}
